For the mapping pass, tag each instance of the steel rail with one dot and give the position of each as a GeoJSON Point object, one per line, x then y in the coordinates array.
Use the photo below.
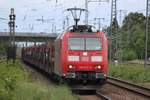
{"type": "Point", "coordinates": [102, 96]}
{"type": "Point", "coordinates": [129, 86]}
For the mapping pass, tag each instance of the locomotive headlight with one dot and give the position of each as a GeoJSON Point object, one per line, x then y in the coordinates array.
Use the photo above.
{"type": "Point", "coordinates": [97, 58]}
{"type": "Point", "coordinates": [70, 66]}
{"type": "Point", "coordinates": [99, 67]}
{"type": "Point", "coordinates": [73, 58]}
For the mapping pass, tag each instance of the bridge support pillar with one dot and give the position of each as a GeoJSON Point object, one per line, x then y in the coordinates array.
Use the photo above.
{"type": "Point", "coordinates": [34, 43]}
{"type": "Point", "coordinates": [26, 43]}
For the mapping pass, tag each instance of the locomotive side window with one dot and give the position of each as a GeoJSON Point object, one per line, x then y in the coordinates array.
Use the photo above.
{"type": "Point", "coordinates": [93, 43]}
{"type": "Point", "coordinates": [76, 43]}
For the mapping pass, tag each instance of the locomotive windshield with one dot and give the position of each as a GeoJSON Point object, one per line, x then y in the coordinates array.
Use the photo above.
{"type": "Point", "coordinates": [93, 44]}
{"type": "Point", "coordinates": [76, 43]}
{"type": "Point", "coordinates": [84, 44]}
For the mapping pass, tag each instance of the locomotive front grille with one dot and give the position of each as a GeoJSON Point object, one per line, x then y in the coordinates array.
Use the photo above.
{"type": "Point", "coordinates": [89, 75]}
{"type": "Point", "coordinates": [70, 75]}
{"type": "Point", "coordinates": [99, 75]}
{"type": "Point", "coordinates": [85, 75]}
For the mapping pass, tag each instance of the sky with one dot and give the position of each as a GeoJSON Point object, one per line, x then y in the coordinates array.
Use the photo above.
{"type": "Point", "coordinates": [54, 12]}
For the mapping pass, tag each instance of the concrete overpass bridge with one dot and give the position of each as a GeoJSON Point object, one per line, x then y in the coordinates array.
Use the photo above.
{"type": "Point", "coordinates": [28, 37]}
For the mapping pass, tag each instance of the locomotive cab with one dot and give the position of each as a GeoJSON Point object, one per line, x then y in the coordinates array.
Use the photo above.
{"type": "Point", "coordinates": [83, 55]}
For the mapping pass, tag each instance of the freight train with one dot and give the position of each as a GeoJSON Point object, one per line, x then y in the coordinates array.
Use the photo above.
{"type": "Point", "coordinates": [78, 56]}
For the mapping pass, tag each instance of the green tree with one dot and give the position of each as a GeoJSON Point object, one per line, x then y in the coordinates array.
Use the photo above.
{"type": "Point", "coordinates": [133, 30]}
{"type": "Point", "coordinates": [130, 37]}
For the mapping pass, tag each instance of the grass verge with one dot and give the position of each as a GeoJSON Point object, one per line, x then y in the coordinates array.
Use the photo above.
{"type": "Point", "coordinates": [16, 85]}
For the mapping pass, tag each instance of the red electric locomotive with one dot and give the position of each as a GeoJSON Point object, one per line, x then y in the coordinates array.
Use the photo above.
{"type": "Point", "coordinates": [78, 56]}
{"type": "Point", "coordinates": [81, 55]}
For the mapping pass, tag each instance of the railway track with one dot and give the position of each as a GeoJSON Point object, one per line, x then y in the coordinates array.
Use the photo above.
{"type": "Point", "coordinates": [102, 96]}
{"type": "Point", "coordinates": [129, 86]}
{"type": "Point", "coordinates": [98, 95]}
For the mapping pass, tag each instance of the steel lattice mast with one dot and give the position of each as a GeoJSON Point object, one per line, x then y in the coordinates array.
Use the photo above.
{"type": "Point", "coordinates": [147, 30]}
{"type": "Point", "coordinates": [12, 52]}
{"type": "Point", "coordinates": [113, 18]}
{"type": "Point", "coordinates": [113, 10]}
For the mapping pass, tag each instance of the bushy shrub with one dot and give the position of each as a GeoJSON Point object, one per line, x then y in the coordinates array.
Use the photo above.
{"type": "Point", "coordinates": [127, 54]}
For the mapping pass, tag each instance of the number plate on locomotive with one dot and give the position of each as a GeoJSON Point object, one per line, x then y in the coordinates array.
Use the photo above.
{"type": "Point", "coordinates": [84, 58]}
